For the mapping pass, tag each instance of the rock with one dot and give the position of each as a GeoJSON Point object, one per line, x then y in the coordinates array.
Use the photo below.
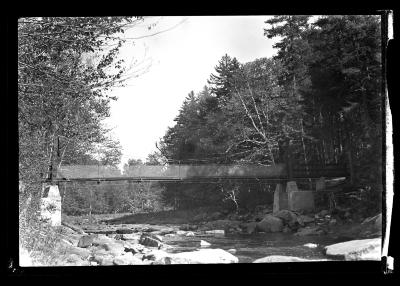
{"type": "Point", "coordinates": [127, 259]}
{"type": "Point", "coordinates": [215, 232]}
{"type": "Point", "coordinates": [112, 248]}
{"type": "Point", "coordinates": [270, 224]}
{"type": "Point", "coordinates": [311, 245]}
{"type": "Point", "coordinates": [281, 258]}
{"type": "Point", "coordinates": [130, 236]}
{"type": "Point", "coordinates": [170, 235]}
{"type": "Point", "coordinates": [204, 256]}
{"type": "Point", "coordinates": [84, 253]}
{"type": "Point", "coordinates": [134, 248]}
{"type": "Point", "coordinates": [124, 231]}
{"type": "Point", "coordinates": [85, 241]}
{"type": "Point", "coordinates": [309, 231]}
{"type": "Point", "coordinates": [232, 250]}
{"type": "Point", "coordinates": [156, 255]}
{"type": "Point", "coordinates": [190, 233]}
{"type": "Point", "coordinates": [288, 217]}
{"type": "Point", "coordinates": [204, 243]}
{"type": "Point", "coordinates": [181, 232]}
{"type": "Point", "coordinates": [150, 240]}
{"type": "Point", "coordinates": [364, 249]}
{"type": "Point", "coordinates": [306, 219]}
{"type": "Point", "coordinates": [251, 227]}
{"type": "Point", "coordinates": [118, 236]}
{"type": "Point", "coordinates": [165, 231]}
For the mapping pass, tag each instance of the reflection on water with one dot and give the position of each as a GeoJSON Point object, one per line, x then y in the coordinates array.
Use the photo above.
{"type": "Point", "coordinates": [251, 247]}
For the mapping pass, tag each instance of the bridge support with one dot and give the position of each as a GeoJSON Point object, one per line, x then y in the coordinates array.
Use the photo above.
{"type": "Point", "coordinates": [50, 205]}
{"type": "Point", "coordinates": [280, 199]}
{"type": "Point", "coordinates": [299, 200]}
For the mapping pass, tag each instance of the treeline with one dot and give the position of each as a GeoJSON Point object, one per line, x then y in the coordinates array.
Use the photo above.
{"type": "Point", "coordinates": [319, 97]}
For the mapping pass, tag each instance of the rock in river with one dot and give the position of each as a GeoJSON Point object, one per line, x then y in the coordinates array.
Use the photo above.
{"type": "Point", "coordinates": [85, 241]}
{"type": "Point", "coordinates": [204, 256]}
{"type": "Point", "coordinates": [282, 258]}
{"type": "Point", "coordinates": [363, 249]}
{"type": "Point", "coordinates": [270, 224]}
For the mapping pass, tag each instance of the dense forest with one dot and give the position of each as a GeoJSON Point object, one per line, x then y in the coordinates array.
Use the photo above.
{"type": "Point", "coordinates": [320, 97]}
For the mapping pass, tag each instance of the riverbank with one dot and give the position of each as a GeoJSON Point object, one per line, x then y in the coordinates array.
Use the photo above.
{"type": "Point", "coordinates": [209, 236]}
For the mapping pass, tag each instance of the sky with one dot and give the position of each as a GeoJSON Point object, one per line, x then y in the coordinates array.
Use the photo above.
{"type": "Point", "coordinates": [171, 64]}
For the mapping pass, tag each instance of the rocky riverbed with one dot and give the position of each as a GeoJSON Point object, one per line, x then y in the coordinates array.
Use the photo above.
{"type": "Point", "coordinates": [219, 238]}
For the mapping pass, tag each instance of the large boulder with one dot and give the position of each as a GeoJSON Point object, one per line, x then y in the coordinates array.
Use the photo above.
{"type": "Point", "coordinates": [363, 249]}
{"type": "Point", "coordinates": [288, 217]}
{"type": "Point", "coordinates": [124, 231]}
{"type": "Point", "coordinates": [86, 241]}
{"type": "Point", "coordinates": [150, 240]}
{"type": "Point", "coordinates": [270, 224]}
{"type": "Point", "coordinates": [281, 258]}
{"type": "Point", "coordinates": [204, 256]}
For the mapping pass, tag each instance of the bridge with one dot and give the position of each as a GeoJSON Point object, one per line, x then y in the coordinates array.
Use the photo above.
{"type": "Point", "coordinates": [195, 173]}
{"type": "Point", "coordinates": [286, 195]}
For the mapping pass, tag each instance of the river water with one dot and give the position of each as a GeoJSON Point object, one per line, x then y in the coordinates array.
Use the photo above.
{"type": "Point", "coordinates": [251, 247]}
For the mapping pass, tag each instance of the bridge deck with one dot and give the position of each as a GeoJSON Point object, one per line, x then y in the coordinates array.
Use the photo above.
{"type": "Point", "coordinates": [192, 173]}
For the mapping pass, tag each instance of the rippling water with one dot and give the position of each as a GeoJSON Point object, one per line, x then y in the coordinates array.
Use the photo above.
{"type": "Point", "coordinates": [251, 247]}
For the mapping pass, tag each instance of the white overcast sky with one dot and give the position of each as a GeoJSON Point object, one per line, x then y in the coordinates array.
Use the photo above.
{"type": "Point", "coordinates": [182, 60]}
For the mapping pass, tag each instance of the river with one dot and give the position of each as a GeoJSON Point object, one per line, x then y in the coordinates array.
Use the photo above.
{"type": "Point", "coordinates": [251, 247]}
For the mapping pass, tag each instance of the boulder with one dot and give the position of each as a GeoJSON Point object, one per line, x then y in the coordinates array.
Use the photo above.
{"type": "Point", "coordinates": [165, 231]}
{"type": "Point", "coordinates": [156, 255]}
{"type": "Point", "coordinates": [130, 236]}
{"type": "Point", "coordinates": [215, 232]}
{"type": "Point", "coordinates": [250, 227]}
{"type": "Point", "coordinates": [111, 248]}
{"type": "Point", "coordinates": [306, 219]}
{"type": "Point", "coordinates": [181, 232]}
{"type": "Point", "coordinates": [282, 258]}
{"type": "Point", "coordinates": [288, 217]}
{"type": "Point", "coordinates": [124, 231]}
{"type": "Point", "coordinates": [204, 256]}
{"type": "Point", "coordinates": [190, 233]}
{"type": "Point", "coordinates": [134, 248]}
{"type": "Point", "coordinates": [150, 240]}
{"type": "Point", "coordinates": [309, 231]}
{"type": "Point", "coordinates": [127, 259]}
{"type": "Point", "coordinates": [311, 245]}
{"type": "Point", "coordinates": [204, 243]}
{"type": "Point", "coordinates": [232, 250]}
{"type": "Point", "coordinates": [85, 241]}
{"type": "Point", "coordinates": [364, 249]}
{"type": "Point", "coordinates": [84, 253]}
{"type": "Point", "coordinates": [103, 259]}
{"type": "Point", "coordinates": [270, 224]}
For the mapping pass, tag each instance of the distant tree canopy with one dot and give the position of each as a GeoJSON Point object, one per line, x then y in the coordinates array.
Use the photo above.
{"type": "Point", "coordinates": [321, 95]}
